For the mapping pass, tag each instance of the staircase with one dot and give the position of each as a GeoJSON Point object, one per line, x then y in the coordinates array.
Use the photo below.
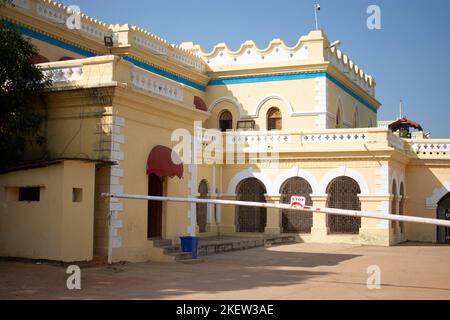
{"type": "Point", "coordinates": [164, 250]}
{"type": "Point", "coordinates": [172, 252]}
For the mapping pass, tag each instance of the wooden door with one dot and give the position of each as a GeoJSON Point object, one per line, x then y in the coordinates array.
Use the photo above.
{"type": "Point", "coordinates": [155, 212]}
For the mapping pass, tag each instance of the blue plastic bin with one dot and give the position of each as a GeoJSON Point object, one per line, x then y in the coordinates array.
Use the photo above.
{"type": "Point", "coordinates": [190, 244]}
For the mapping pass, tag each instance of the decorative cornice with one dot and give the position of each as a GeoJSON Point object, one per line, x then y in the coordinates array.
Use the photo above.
{"type": "Point", "coordinates": [353, 71]}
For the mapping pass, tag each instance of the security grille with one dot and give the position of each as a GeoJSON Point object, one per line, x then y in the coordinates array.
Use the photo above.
{"type": "Point", "coordinates": [296, 221]}
{"type": "Point", "coordinates": [251, 219]}
{"type": "Point", "coordinates": [443, 212]}
{"type": "Point", "coordinates": [394, 205]}
{"type": "Point", "coordinates": [343, 194]}
{"type": "Point", "coordinates": [202, 208]}
{"type": "Point", "coordinates": [401, 208]}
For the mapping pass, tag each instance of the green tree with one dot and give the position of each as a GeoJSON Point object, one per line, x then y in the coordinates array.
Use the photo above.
{"type": "Point", "coordinates": [21, 83]}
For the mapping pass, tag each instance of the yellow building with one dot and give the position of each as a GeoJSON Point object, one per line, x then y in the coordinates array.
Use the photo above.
{"type": "Point", "coordinates": [115, 106]}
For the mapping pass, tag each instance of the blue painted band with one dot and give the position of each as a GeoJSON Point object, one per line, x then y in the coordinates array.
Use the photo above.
{"type": "Point", "coordinates": [351, 93]}
{"type": "Point", "coordinates": [85, 53]}
{"type": "Point", "coordinates": [286, 77]}
{"type": "Point", "coordinates": [283, 77]}
{"type": "Point", "coordinates": [45, 38]}
{"type": "Point", "coordinates": [165, 74]}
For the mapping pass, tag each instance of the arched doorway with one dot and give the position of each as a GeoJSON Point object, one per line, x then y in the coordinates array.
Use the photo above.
{"type": "Point", "coordinates": [401, 207]}
{"type": "Point", "coordinates": [155, 209]}
{"type": "Point", "coordinates": [343, 194]}
{"type": "Point", "coordinates": [394, 205]}
{"type": "Point", "coordinates": [251, 219]}
{"type": "Point", "coordinates": [443, 213]}
{"type": "Point", "coordinates": [202, 208]}
{"type": "Point", "coordinates": [296, 221]}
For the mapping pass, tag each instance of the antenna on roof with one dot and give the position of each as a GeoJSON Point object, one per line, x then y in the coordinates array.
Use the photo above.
{"type": "Point", "coordinates": [316, 10]}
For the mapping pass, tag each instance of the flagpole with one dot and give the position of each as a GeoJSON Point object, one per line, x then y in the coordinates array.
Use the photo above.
{"type": "Point", "coordinates": [315, 16]}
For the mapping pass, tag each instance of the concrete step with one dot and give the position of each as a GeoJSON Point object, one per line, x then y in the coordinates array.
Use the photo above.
{"type": "Point", "coordinates": [181, 255]}
{"type": "Point", "coordinates": [161, 242]}
{"type": "Point", "coordinates": [170, 249]}
{"type": "Point", "coordinates": [282, 239]}
{"type": "Point", "coordinates": [191, 261]}
{"type": "Point", "coordinates": [228, 245]}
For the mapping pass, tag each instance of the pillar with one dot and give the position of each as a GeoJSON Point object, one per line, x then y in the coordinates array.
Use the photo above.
{"type": "Point", "coordinates": [319, 230]}
{"type": "Point", "coordinates": [375, 231]}
{"type": "Point", "coordinates": [273, 224]}
{"type": "Point", "coordinates": [211, 224]}
{"type": "Point", "coordinates": [228, 216]}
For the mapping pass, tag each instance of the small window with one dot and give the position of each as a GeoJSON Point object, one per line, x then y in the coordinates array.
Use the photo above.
{"type": "Point", "coordinates": [30, 194]}
{"type": "Point", "coordinates": [77, 195]}
{"type": "Point", "coordinates": [225, 121]}
{"type": "Point", "coordinates": [274, 119]}
{"type": "Point", "coordinates": [246, 125]}
{"type": "Point", "coordinates": [338, 124]}
{"type": "Point", "coordinates": [356, 119]}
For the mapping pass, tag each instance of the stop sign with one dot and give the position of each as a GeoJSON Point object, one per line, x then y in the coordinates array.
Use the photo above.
{"type": "Point", "coordinates": [297, 201]}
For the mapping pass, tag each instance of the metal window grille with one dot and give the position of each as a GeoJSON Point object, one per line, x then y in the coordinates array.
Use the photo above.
{"type": "Point", "coordinates": [394, 205]}
{"type": "Point", "coordinates": [443, 212]}
{"type": "Point", "coordinates": [343, 194]}
{"type": "Point", "coordinates": [251, 219]}
{"type": "Point", "coordinates": [401, 208]}
{"type": "Point", "coordinates": [202, 208]}
{"type": "Point", "coordinates": [296, 221]}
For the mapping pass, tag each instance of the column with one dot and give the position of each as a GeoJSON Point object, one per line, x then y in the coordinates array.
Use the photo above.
{"type": "Point", "coordinates": [319, 230]}
{"type": "Point", "coordinates": [375, 231]}
{"type": "Point", "coordinates": [273, 224]}
{"type": "Point", "coordinates": [211, 224]}
{"type": "Point", "coordinates": [227, 219]}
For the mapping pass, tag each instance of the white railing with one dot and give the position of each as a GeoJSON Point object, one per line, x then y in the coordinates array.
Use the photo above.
{"type": "Point", "coordinates": [65, 73]}
{"type": "Point", "coordinates": [431, 148]}
{"type": "Point", "coordinates": [335, 137]}
{"type": "Point", "coordinates": [161, 87]}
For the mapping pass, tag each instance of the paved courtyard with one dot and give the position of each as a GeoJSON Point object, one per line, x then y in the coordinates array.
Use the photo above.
{"type": "Point", "coordinates": [296, 271]}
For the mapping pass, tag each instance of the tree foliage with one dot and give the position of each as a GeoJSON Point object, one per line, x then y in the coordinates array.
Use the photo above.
{"type": "Point", "coordinates": [21, 83]}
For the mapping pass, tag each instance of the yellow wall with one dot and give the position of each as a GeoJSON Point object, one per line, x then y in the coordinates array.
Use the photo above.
{"type": "Point", "coordinates": [425, 186]}
{"type": "Point", "coordinates": [54, 228]}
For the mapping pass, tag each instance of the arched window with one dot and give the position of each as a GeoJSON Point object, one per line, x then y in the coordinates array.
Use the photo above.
{"type": "Point", "coordinates": [338, 123]}
{"type": "Point", "coordinates": [296, 221]}
{"type": "Point", "coordinates": [401, 208]}
{"type": "Point", "coordinates": [394, 204]}
{"type": "Point", "coordinates": [356, 119]}
{"type": "Point", "coordinates": [202, 208]}
{"type": "Point", "coordinates": [225, 121]}
{"type": "Point", "coordinates": [343, 194]}
{"type": "Point", "coordinates": [443, 212]}
{"type": "Point", "coordinates": [274, 119]}
{"type": "Point", "coordinates": [251, 219]}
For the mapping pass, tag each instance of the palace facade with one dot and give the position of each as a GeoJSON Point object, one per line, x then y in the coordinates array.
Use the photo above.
{"type": "Point", "coordinates": [120, 92]}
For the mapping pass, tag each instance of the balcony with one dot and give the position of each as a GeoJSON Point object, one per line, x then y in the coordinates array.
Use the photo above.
{"type": "Point", "coordinates": [332, 140]}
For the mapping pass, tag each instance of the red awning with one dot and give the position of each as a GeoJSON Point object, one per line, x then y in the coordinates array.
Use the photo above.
{"type": "Point", "coordinates": [164, 162]}
{"type": "Point", "coordinates": [200, 104]}
{"type": "Point", "coordinates": [39, 59]}
{"type": "Point", "coordinates": [394, 126]}
{"type": "Point", "coordinates": [66, 58]}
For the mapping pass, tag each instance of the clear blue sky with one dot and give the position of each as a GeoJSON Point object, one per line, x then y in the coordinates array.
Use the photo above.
{"type": "Point", "coordinates": [409, 56]}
